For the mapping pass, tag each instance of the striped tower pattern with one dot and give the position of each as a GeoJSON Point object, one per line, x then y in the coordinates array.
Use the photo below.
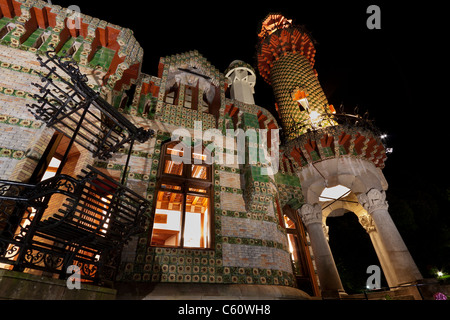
{"type": "Point", "coordinates": [285, 61]}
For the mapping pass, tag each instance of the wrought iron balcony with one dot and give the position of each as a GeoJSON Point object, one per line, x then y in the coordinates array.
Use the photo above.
{"type": "Point", "coordinates": [83, 221]}
{"type": "Point", "coordinates": [64, 221]}
{"type": "Point", "coordinates": [73, 108]}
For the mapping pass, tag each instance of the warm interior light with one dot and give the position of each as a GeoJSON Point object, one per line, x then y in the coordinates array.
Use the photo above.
{"type": "Point", "coordinates": [51, 169]}
{"type": "Point", "coordinates": [199, 156]}
{"type": "Point", "coordinates": [333, 193]}
{"type": "Point", "coordinates": [169, 216]}
{"type": "Point", "coordinates": [332, 109]}
{"type": "Point", "coordinates": [175, 152]}
{"type": "Point", "coordinates": [199, 172]}
{"type": "Point", "coordinates": [54, 163]}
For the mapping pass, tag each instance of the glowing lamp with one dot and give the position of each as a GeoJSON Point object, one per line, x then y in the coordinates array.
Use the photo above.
{"type": "Point", "coordinates": [300, 96]}
{"type": "Point", "coordinates": [332, 109]}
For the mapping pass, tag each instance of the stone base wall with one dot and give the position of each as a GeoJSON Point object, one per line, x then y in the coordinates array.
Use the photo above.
{"type": "Point", "coordinates": [168, 291]}
{"type": "Point", "coordinates": [22, 286]}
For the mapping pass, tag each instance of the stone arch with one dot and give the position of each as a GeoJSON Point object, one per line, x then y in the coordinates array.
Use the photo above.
{"type": "Point", "coordinates": [356, 174]}
{"type": "Point", "coordinates": [348, 204]}
{"type": "Point", "coordinates": [333, 209]}
{"type": "Point", "coordinates": [367, 200]}
{"type": "Point", "coordinates": [353, 249]}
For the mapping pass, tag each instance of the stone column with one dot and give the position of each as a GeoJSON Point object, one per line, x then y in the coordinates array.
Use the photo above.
{"type": "Point", "coordinates": [330, 282]}
{"type": "Point", "coordinates": [398, 258]}
{"type": "Point", "coordinates": [367, 222]}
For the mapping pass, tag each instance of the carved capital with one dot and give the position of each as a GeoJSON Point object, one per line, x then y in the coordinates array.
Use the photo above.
{"type": "Point", "coordinates": [311, 214]}
{"type": "Point", "coordinates": [367, 222]}
{"type": "Point", "coordinates": [373, 200]}
{"type": "Point", "coordinates": [325, 231]}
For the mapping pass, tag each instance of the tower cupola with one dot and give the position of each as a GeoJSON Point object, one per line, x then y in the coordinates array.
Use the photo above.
{"type": "Point", "coordinates": [242, 79]}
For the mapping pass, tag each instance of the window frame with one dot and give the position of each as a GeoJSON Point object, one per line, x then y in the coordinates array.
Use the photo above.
{"type": "Point", "coordinates": [185, 181]}
{"type": "Point", "coordinates": [187, 167]}
{"type": "Point", "coordinates": [193, 97]}
{"type": "Point", "coordinates": [175, 90]}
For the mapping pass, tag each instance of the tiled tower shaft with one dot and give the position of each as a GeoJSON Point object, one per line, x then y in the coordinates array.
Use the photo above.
{"type": "Point", "coordinates": [285, 61]}
{"type": "Point", "coordinates": [291, 71]}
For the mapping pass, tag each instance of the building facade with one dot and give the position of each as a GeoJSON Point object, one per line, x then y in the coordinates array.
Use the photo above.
{"type": "Point", "coordinates": [227, 208]}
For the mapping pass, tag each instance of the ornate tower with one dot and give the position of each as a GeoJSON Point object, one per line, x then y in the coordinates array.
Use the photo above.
{"type": "Point", "coordinates": [337, 157]}
{"type": "Point", "coordinates": [242, 79]}
{"type": "Point", "coordinates": [286, 61]}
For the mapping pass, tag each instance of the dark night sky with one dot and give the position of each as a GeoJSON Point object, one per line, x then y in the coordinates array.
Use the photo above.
{"type": "Point", "coordinates": [395, 73]}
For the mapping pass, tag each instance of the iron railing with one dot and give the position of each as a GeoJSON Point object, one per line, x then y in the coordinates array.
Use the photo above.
{"type": "Point", "coordinates": [72, 107]}
{"type": "Point", "coordinates": [64, 221]}
{"type": "Point", "coordinates": [342, 118]}
{"type": "Point", "coordinates": [83, 221]}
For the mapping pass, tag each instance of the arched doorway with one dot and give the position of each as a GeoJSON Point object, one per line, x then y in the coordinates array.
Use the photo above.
{"type": "Point", "coordinates": [352, 249]}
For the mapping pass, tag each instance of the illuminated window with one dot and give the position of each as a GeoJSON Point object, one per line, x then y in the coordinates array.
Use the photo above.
{"type": "Point", "coordinates": [296, 243]}
{"type": "Point", "coordinates": [183, 201]}
{"type": "Point", "coordinates": [51, 169]}
{"type": "Point", "coordinates": [293, 242]}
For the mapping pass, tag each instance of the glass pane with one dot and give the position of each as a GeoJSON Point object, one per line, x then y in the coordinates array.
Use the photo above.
{"type": "Point", "coordinates": [175, 149]}
{"type": "Point", "coordinates": [199, 156]}
{"type": "Point", "coordinates": [199, 172]}
{"type": "Point", "coordinates": [169, 186]}
{"type": "Point", "coordinates": [289, 223]}
{"type": "Point", "coordinates": [198, 190]}
{"type": "Point", "coordinates": [172, 167]}
{"type": "Point", "coordinates": [196, 228]}
{"type": "Point", "coordinates": [295, 253]}
{"type": "Point", "coordinates": [167, 226]}
{"type": "Point", "coordinates": [54, 163]}
{"type": "Point", "coordinates": [51, 169]}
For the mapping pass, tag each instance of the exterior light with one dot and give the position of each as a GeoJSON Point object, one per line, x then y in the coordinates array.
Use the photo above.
{"type": "Point", "coordinates": [300, 96]}
{"type": "Point", "coordinates": [440, 273]}
{"type": "Point", "coordinates": [304, 103]}
{"type": "Point", "coordinates": [383, 136]}
{"type": "Point", "coordinates": [332, 109]}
